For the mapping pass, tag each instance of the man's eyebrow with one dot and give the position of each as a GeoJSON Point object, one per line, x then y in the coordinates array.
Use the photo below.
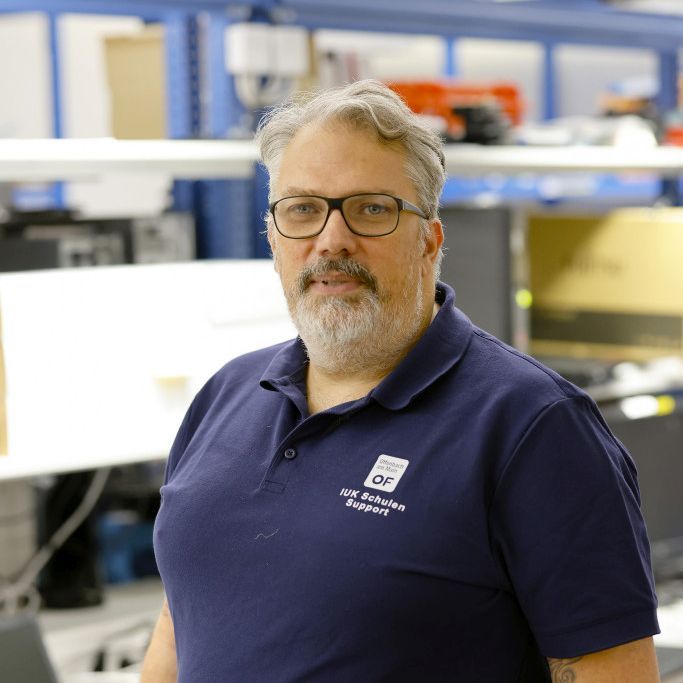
{"type": "Point", "coordinates": [296, 191]}
{"type": "Point", "coordinates": [301, 191]}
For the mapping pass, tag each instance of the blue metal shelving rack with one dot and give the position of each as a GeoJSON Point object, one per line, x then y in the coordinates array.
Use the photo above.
{"type": "Point", "coordinates": [229, 213]}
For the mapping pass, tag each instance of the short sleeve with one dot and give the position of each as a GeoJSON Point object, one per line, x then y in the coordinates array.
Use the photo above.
{"type": "Point", "coordinates": [567, 524]}
{"type": "Point", "coordinates": [182, 439]}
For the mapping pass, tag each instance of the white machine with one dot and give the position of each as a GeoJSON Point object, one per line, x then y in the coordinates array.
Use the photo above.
{"type": "Point", "coordinates": [265, 60]}
{"type": "Point", "coordinates": [100, 364]}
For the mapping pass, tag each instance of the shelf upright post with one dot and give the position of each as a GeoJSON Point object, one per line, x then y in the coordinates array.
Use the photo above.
{"type": "Point", "coordinates": [667, 100]}
{"type": "Point", "coordinates": [549, 82]}
{"type": "Point", "coordinates": [179, 97]}
{"type": "Point", "coordinates": [57, 191]}
{"type": "Point", "coordinates": [227, 228]}
{"type": "Point", "coordinates": [451, 59]}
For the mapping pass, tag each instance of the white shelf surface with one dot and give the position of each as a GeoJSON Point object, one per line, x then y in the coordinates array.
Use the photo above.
{"type": "Point", "coordinates": [12, 467]}
{"type": "Point", "coordinates": [77, 159]}
{"type": "Point", "coordinates": [513, 160]}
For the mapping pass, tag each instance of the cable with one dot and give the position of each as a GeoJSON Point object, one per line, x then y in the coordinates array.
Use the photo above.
{"type": "Point", "coordinates": [23, 585]}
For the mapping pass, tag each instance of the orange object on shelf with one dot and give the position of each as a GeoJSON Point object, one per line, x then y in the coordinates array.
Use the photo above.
{"type": "Point", "coordinates": [673, 136]}
{"type": "Point", "coordinates": [439, 98]}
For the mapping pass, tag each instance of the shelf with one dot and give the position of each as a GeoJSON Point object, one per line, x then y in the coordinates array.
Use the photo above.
{"type": "Point", "coordinates": [17, 468]}
{"type": "Point", "coordinates": [23, 160]}
{"type": "Point", "coordinates": [78, 159]}
{"type": "Point", "coordinates": [591, 189]}
{"type": "Point", "coordinates": [470, 160]}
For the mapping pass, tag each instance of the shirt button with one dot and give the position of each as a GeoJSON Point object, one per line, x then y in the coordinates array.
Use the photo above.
{"type": "Point", "coordinates": [290, 454]}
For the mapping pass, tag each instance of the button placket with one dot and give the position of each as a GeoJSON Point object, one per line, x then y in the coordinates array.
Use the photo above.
{"type": "Point", "coordinates": [280, 470]}
{"type": "Point", "coordinates": [283, 465]}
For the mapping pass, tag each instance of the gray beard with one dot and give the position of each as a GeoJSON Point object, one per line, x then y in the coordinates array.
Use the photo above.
{"type": "Point", "coordinates": [364, 332]}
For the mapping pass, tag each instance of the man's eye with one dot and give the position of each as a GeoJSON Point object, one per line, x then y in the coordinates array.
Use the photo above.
{"type": "Point", "coordinates": [302, 209]}
{"type": "Point", "coordinates": [375, 209]}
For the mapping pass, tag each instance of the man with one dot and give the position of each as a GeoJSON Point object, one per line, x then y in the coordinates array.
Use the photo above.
{"type": "Point", "coordinates": [395, 495]}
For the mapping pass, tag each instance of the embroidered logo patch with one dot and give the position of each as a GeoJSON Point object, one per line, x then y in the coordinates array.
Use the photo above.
{"type": "Point", "coordinates": [386, 473]}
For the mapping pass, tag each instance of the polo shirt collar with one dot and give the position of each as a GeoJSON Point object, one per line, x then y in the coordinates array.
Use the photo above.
{"type": "Point", "coordinates": [437, 351]}
{"type": "Point", "coordinates": [286, 373]}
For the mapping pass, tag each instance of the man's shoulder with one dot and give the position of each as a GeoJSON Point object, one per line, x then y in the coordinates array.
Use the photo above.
{"type": "Point", "coordinates": [249, 366]}
{"type": "Point", "coordinates": [490, 370]}
{"type": "Point", "coordinates": [254, 362]}
{"type": "Point", "coordinates": [236, 383]}
{"type": "Point", "coordinates": [507, 371]}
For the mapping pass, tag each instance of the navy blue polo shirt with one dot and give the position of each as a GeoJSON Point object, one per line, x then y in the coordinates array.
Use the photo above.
{"type": "Point", "coordinates": [469, 517]}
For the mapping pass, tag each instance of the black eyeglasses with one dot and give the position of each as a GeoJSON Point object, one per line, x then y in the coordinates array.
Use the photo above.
{"type": "Point", "coordinates": [368, 215]}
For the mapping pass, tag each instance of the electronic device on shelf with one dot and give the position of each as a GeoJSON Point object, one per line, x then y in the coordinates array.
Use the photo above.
{"type": "Point", "coordinates": [61, 239]}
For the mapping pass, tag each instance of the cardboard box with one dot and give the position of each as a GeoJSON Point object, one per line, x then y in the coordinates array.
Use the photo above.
{"type": "Point", "coordinates": [136, 72]}
{"type": "Point", "coordinates": [608, 287]}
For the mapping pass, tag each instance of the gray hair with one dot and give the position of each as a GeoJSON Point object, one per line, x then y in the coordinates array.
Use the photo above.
{"type": "Point", "coordinates": [365, 104]}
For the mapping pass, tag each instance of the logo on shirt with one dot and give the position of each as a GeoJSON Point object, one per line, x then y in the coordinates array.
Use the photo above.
{"type": "Point", "coordinates": [386, 473]}
{"type": "Point", "coordinates": [384, 476]}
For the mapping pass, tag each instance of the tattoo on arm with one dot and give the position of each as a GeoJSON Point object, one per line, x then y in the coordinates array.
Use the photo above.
{"type": "Point", "coordinates": [562, 670]}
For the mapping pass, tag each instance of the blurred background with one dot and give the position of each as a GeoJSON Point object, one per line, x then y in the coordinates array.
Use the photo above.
{"type": "Point", "coordinates": [133, 264]}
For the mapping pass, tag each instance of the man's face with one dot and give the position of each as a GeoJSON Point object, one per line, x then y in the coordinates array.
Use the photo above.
{"type": "Point", "coordinates": [341, 287]}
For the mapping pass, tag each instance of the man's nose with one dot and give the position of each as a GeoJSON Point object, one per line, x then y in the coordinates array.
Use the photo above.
{"type": "Point", "coordinates": [336, 236]}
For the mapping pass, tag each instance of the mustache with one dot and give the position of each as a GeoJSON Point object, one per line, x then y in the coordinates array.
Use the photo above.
{"type": "Point", "coordinates": [346, 266]}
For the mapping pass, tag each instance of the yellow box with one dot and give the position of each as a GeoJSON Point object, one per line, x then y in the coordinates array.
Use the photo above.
{"type": "Point", "coordinates": [608, 287]}
{"type": "Point", "coordinates": [136, 71]}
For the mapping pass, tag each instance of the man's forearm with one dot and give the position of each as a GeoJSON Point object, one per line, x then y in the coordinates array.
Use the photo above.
{"type": "Point", "coordinates": [160, 664]}
{"type": "Point", "coordinates": [634, 662]}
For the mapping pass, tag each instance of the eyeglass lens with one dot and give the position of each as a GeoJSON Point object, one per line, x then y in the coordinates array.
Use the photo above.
{"type": "Point", "coordinates": [370, 214]}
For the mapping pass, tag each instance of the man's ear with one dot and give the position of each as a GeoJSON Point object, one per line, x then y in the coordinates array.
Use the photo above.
{"type": "Point", "coordinates": [270, 236]}
{"type": "Point", "coordinates": [434, 240]}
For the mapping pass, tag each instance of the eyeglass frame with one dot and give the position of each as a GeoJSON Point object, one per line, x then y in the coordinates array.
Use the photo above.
{"type": "Point", "coordinates": [337, 202]}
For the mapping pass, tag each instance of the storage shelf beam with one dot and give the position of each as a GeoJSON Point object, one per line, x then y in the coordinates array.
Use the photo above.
{"type": "Point", "coordinates": [31, 160]}
{"type": "Point", "coordinates": [562, 22]}
{"type": "Point", "coordinates": [475, 160]}
{"type": "Point", "coordinates": [584, 24]}
{"type": "Point", "coordinates": [69, 159]}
